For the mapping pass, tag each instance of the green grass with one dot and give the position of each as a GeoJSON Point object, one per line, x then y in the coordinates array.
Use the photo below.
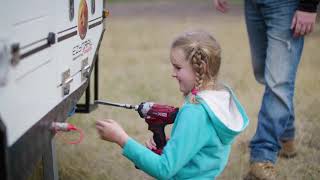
{"type": "Point", "coordinates": [134, 67]}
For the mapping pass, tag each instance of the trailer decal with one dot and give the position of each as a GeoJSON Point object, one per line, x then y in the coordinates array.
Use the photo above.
{"type": "Point", "coordinates": [81, 49]}
{"type": "Point", "coordinates": [83, 19]}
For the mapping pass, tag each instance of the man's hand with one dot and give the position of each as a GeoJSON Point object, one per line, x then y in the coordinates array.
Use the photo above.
{"type": "Point", "coordinates": [221, 5]}
{"type": "Point", "coordinates": [303, 23]}
{"type": "Point", "coordinates": [110, 130]}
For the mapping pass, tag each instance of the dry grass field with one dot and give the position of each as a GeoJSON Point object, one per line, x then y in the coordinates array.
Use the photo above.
{"type": "Point", "coordinates": [134, 67]}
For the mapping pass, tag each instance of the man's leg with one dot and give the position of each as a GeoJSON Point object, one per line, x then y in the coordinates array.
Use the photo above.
{"type": "Point", "coordinates": [257, 34]}
{"type": "Point", "coordinates": [276, 115]}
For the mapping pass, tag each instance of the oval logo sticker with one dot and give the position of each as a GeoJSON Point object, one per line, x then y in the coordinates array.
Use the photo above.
{"type": "Point", "coordinates": [83, 19]}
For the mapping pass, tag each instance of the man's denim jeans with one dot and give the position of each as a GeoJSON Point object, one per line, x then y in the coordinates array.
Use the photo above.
{"type": "Point", "coordinates": [275, 59]}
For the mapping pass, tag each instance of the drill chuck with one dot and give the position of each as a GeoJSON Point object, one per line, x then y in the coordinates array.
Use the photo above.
{"type": "Point", "coordinates": [144, 108]}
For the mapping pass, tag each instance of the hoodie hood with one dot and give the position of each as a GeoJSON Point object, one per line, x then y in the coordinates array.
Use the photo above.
{"type": "Point", "coordinates": [226, 113]}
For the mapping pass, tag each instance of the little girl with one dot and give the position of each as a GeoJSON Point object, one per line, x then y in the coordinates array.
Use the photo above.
{"type": "Point", "coordinates": [205, 125]}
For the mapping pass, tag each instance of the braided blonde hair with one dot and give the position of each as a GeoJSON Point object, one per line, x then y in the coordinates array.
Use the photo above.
{"type": "Point", "coordinates": [203, 52]}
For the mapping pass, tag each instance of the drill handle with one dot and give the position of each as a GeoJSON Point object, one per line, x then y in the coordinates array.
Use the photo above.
{"type": "Point", "coordinates": [159, 137]}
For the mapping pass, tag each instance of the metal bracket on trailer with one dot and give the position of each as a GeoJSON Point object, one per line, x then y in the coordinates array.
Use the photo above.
{"type": "Point", "coordinates": [87, 107]}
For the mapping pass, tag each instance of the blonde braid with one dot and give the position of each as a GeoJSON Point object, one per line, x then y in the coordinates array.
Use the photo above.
{"type": "Point", "coordinates": [198, 60]}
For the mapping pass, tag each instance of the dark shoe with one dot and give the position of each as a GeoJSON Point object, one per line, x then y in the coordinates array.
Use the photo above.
{"type": "Point", "coordinates": [288, 149]}
{"type": "Point", "coordinates": [261, 171]}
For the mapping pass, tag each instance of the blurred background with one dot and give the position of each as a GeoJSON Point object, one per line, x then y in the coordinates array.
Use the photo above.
{"type": "Point", "coordinates": [135, 67]}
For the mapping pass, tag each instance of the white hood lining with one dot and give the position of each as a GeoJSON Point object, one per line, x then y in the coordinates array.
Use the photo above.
{"type": "Point", "coordinates": [224, 107]}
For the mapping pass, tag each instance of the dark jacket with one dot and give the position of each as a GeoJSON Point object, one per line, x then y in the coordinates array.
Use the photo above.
{"type": "Point", "coordinates": [308, 5]}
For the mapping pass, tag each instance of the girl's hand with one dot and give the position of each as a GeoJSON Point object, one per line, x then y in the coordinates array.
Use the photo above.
{"type": "Point", "coordinates": [150, 144]}
{"type": "Point", "coordinates": [110, 130]}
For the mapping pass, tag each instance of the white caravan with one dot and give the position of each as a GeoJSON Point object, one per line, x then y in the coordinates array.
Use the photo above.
{"type": "Point", "coordinates": [48, 49]}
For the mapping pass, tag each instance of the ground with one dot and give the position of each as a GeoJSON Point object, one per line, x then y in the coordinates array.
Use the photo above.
{"type": "Point", "coordinates": [134, 67]}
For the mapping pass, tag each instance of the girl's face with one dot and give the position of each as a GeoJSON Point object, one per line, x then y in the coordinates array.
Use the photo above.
{"type": "Point", "coordinates": [182, 70]}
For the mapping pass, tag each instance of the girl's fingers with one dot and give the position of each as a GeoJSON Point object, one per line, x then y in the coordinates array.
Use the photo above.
{"type": "Point", "coordinates": [148, 145]}
{"type": "Point", "coordinates": [99, 123]}
{"type": "Point", "coordinates": [104, 123]}
{"type": "Point", "coordinates": [108, 120]}
{"type": "Point", "coordinates": [152, 142]}
{"type": "Point", "coordinates": [99, 128]}
{"type": "Point", "coordinates": [151, 147]}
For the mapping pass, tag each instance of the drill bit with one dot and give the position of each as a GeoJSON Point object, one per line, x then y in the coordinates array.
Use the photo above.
{"type": "Point", "coordinates": [127, 106]}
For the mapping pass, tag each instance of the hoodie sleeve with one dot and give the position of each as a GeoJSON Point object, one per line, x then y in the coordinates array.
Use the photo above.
{"type": "Point", "coordinates": [191, 132]}
{"type": "Point", "coordinates": [308, 5]}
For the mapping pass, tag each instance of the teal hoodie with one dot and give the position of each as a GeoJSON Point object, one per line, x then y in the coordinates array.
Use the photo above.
{"type": "Point", "coordinates": [200, 141]}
